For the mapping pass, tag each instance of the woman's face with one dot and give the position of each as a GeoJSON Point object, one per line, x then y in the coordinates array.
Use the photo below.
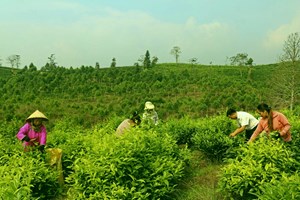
{"type": "Point", "coordinates": [37, 122]}
{"type": "Point", "coordinates": [263, 114]}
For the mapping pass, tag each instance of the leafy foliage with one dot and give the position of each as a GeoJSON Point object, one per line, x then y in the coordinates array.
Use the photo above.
{"type": "Point", "coordinates": [26, 176]}
{"type": "Point", "coordinates": [90, 95]}
{"type": "Point", "coordinates": [288, 187]}
{"type": "Point", "coordinates": [139, 165]}
{"type": "Point", "coordinates": [255, 165]}
{"type": "Point", "coordinates": [212, 137]}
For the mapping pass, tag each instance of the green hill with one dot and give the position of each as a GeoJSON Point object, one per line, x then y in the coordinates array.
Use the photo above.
{"type": "Point", "coordinates": [5, 72]}
{"type": "Point", "coordinates": [89, 95]}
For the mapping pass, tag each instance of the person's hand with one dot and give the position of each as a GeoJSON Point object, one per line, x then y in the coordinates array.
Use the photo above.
{"type": "Point", "coordinates": [232, 135]}
{"type": "Point", "coordinates": [26, 138]}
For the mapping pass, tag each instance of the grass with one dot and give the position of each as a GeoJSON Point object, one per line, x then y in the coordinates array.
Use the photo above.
{"type": "Point", "coordinates": [201, 181]}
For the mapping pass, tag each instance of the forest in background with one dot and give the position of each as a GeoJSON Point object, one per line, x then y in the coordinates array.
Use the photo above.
{"type": "Point", "coordinates": [90, 95]}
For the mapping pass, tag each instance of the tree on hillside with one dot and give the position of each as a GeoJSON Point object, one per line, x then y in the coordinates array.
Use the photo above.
{"type": "Point", "coordinates": [14, 60]}
{"type": "Point", "coordinates": [287, 74]}
{"type": "Point", "coordinates": [52, 59]}
{"type": "Point", "coordinates": [147, 61]}
{"type": "Point", "coordinates": [241, 59]}
{"type": "Point", "coordinates": [32, 67]}
{"type": "Point", "coordinates": [113, 62]}
{"type": "Point", "coordinates": [249, 62]}
{"type": "Point", "coordinates": [97, 65]}
{"type": "Point", "coordinates": [176, 52]}
{"type": "Point", "coordinates": [154, 61]}
{"type": "Point", "coordinates": [291, 48]}
{"type": "Point", "coordinates": [193, 61]}
{"type": "Point", "coordinates": [51, 64]}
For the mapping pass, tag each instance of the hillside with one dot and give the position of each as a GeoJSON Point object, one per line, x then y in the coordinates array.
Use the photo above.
{"type": "Point", "coordinates": [89, 95]}
{"type": "Point", "coordinates": [5, 72]}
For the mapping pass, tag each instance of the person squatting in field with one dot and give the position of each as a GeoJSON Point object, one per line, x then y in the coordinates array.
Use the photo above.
{"type": "Point", "coordinates": [33, 133]}
{"type": "Point", "coordinates": [127, 124]}
{"type": "Point", "coordinates": [272, 121]}
{"type": "Point", "coordinates": [150, 116]}
{"type": "Point", "coordinates": [245, 121]}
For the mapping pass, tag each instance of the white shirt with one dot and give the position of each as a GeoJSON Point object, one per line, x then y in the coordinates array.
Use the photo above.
{"type": "Point", "coordinates": [246, 119]}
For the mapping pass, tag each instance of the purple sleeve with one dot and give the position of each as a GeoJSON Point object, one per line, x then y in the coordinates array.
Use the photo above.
{"type": "Point", "coordinates": [43, 138]}
{"type": "Point", "coordinates": [23, 131]}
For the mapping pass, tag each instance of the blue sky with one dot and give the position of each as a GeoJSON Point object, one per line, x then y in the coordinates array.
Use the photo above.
{"type": "Point", "coordinates": [83, 32]}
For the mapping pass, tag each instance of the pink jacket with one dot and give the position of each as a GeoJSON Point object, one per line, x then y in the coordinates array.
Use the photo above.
{"type": "Point", "coordinates": [280, 123]}
{"type": "Point", "coordinates": [37, 138]}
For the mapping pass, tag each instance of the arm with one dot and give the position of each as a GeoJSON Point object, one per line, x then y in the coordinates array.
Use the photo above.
{"type": "Point", "coordinates": [237, 131]}
{"type": "Point", "coordinates": [285, 123]}
{"type": "Point", "coordinates": [23, 132]}
{"type": "Point", "coordinates": [43, 137]}
{"type": "Point", "coordinates": [258, 130]}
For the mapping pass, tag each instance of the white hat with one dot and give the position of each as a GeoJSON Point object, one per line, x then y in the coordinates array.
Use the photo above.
{"type": "Point", "coordinates": [148, 105]}
{"type": "Point", "coordinates": [37, 114]}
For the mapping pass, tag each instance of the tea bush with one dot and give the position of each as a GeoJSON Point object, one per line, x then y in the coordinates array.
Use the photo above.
{"type": "Point", "coordinates": [8, 131]}
{"type": "Point", "coordinates": [138, 165]}
{"type": "Point", "coordinates": [212, 137]}
{"type": "Point", "coordinates": [183, 130]}
{"type": "Point", "coordinates": [255, 165]}
{"type": "Point", "coordinates": [288, 187]}
{"type": "Point", "coordinates": [27, 176]}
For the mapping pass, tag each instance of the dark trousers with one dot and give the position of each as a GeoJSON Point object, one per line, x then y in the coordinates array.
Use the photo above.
{"type": "Point", "coordinates": [250, 132]}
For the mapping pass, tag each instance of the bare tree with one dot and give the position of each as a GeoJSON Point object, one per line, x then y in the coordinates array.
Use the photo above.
{"type": "Point", "coordinates": [291, 48]}
{"type": "Point", "coordinates": [286, 80]}
{"type": "Point", "coordinates": [52, 62]}
{"type": "Point", "coordinates": [14, 60]}
{"type": "Point", "coordinates": [176, 52]}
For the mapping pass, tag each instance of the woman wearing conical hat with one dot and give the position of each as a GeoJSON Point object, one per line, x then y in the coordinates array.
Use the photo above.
{"type": "Point", "coordinates": [33, 133]}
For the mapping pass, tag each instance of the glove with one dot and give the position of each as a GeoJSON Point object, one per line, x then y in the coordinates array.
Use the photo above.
{"type": "Point", "coordinates": [26, 138]}
{"type": "Point", "coordinates": [42, 148]}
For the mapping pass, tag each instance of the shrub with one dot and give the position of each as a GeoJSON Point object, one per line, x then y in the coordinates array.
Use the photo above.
{"type": "Point", "coordinates": [183, 130]}
{"type": "Point", "coordinates": [27, 176]}
{"type": "Point", "coordinates": [138, 165]}
{"type": "Point", "coordinates": [255, 165]}
{"type": "Point", "coordinates": [288, 187]}
{"type": "Point", "coordinates": [212, 137]}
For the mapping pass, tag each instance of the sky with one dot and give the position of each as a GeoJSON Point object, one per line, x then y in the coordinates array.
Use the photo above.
{"type": "Point", "coordinates": [83, 32]}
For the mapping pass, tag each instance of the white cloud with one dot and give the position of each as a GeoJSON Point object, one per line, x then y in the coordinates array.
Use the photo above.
{"type": "Point", "coordinates": [100, 35]}
{"type": "Point", "coordinates": [275, 38]}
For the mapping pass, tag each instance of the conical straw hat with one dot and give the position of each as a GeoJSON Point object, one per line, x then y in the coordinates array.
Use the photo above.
{"type": "Point", "coordinates": [37, 114]}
